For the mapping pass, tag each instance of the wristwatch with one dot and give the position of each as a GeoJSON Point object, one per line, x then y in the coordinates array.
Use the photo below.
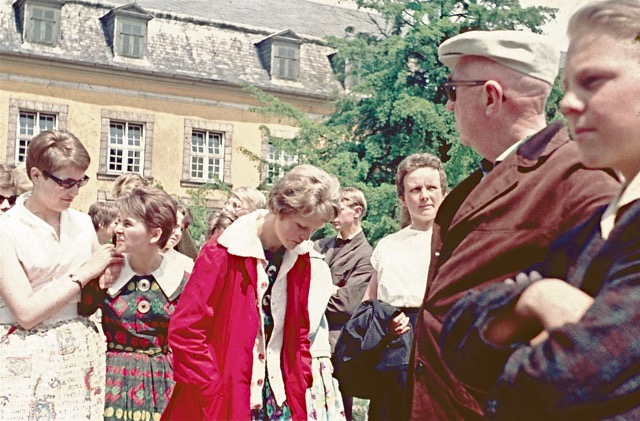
{"type": "Point", "coordinates": [74, 278]}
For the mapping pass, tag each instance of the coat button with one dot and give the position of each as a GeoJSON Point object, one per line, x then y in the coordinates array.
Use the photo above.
{"type": "Point", "coordinates": [144, 307]}
{"type": "Point", "coordinates": [260, 382]}
{"type": "Point", "coordinates": [144, 285]}
{"type": "Point", "coordinates": [419, 367]}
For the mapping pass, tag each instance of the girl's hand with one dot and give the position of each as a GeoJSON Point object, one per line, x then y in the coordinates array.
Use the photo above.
{"type": "Point", "coordinates": [399, 325]}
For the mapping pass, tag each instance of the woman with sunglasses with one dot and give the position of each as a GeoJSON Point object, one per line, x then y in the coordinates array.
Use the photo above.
{"type": "Point", "coordinates": [52, 359]}
{"type": "Point", "coordinates": [13, 182]}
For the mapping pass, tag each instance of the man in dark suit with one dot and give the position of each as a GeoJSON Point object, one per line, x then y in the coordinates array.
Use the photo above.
{"type": "Point", "coordinates": [533, 187]}
{"type": "Point", "coordinates": [348, 255]}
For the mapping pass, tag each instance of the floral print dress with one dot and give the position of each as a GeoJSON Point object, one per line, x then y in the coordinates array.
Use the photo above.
{"type": "Point", "coordinates": [135, 320]}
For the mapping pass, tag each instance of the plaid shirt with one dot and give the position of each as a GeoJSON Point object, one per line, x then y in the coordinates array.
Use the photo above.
{"type": "Point", "coordinates": [584, 370]}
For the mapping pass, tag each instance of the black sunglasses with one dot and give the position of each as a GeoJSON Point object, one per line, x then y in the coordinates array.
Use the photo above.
{"type": "Point", "coordinates": [449, 86]}
{"type": "Point", "coordinates": [69, 182]}
{"type": "Point", "coordinates": [11, 199]}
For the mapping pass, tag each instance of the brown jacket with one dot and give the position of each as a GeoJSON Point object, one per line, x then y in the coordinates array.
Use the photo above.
{"type": "Point", "coordinates": [488, 229]}
{"type": "Point", "coordinates": [350, 265]}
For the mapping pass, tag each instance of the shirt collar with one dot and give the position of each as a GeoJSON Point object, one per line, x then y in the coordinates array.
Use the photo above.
{"type": "Point", "coordinates": [629, 193]}
{"type": "Point", "coordinates": [351, 237]}
{"type": "Point", "coordinates": [241, 238]}
{"type": "Point", "coordinates": [510, 150]}
{"type": "Point", "coordinates": [168, 276]}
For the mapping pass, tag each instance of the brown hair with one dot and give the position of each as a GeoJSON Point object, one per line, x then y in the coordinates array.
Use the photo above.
{"type": "Point", "coordinates": [412, 163]}
{"type": "Point", "coordinates": [187, 217]}
{"type": "Point", "coordinates": [103, 213]}
{"type": "Point", "coordinates": [51, 150]}
{"type": "Point", "coordinates": [154, 207]}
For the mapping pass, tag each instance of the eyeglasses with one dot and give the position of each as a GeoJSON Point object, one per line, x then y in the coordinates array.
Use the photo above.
{"type": "Point", "coordinates": [450, 86]}
{"type": "Point", "coordinates": [69, 182]}
{"type": "Point", "coordinates": [11, 199]}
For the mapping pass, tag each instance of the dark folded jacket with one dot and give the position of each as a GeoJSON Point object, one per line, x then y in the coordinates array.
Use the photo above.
{"type": "Point", "coordinates": [365, 349]}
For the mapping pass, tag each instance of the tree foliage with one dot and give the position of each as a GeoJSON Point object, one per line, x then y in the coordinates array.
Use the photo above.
{"type": "Point", "coordinates": [397, 108]}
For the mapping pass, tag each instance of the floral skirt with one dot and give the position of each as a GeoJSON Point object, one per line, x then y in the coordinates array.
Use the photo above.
{"type": "Point", "coordinates": [138, 385]}
{"type": "Point", "coordinates": [52, 371]}
{"type": "Point", "coordinates": [324, 401]}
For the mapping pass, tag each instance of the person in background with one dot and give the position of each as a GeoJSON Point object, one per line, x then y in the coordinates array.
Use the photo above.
{"type": "Point", "coordinates": [533, 185]}
{"type": "Point", "coordinates": [13, 182]}
{"type": "Point", "coordinates": [348, 255]}
{"type": "Point", "coordinates": [400, 262]}
{"type": "Point", "coordinates": [183, 220]}
{"type": "Point", "coordinates": [103, 216]}
{"type": "Point", "coordinates": [52, 358]}
{"type": "Point", "coordinates": [562, 341]}
{"type": "Point", "coordinates": [125, 183]}
{"type": "Point", "coordinates": [245, 200]}
{"type": "Point", "coordinates": [324, 399]}
{"type": "Point", "coordinates": [137, 308]}
{"type": "Point", "coordinates": [220, 221]}
{"type": "Point", "coordinates": [236, 360]}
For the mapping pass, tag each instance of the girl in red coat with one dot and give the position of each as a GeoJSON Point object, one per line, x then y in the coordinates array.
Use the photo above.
{"type": "Point", "coordinates": [240, 334]}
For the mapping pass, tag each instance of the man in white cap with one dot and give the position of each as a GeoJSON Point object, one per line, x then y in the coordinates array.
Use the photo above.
{"type": "Point", "coordinates": [502, 218]}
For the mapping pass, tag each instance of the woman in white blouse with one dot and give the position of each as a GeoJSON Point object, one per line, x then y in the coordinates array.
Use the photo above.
{"type": "Point", "coordinates": [401, 261]}
{"type": "Point", "coordinates": [52, 359]}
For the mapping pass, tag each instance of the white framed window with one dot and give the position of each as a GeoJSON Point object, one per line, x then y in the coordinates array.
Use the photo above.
{"type": "Point", "coordinates": [27, 118]}
{"type": "Point", "coordinates": [126, 144]}
{"type": "Point", "coordinates": [207, 155]}
{"type": "Point", "coordinates": [126, 147]}
{"type": "Point", "coordinates": [278, 163]}
{"type": "Point", "coordinates": [31, 123]}
{"type": "Point", "coordinates": [207, 152]}
{"type": "Point", "coordinates": [286, 61]}
{"type": "Point", "coordinates": [131, 38]}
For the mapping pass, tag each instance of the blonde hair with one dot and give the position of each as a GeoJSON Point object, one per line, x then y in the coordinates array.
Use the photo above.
{"type": "Point", "coordinates": [220, 221]}
{"type": "Point", "coordinates": [248, 199]}
{"type": "Point", "coordinates": [352, 197]}
{"type": "Point", "coordinates": [412, 163]}
{"type": "Point", "coordinates": [619, 18]}
{"type": "Point", "coordinates": [125, 183]}
{"type": "Point", "coordinates": [307, 191]}
{"type": "Point", "coordinates": [51, 150]}
{"type": "Point", "coordinates": [154, 207]}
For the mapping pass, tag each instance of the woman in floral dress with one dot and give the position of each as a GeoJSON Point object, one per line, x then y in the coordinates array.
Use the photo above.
{"type": "Point", "coordinates": [137, 307]}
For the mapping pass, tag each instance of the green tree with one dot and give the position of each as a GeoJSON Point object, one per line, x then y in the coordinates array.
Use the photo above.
{"type": "Point", "coordinates": [397, 108]}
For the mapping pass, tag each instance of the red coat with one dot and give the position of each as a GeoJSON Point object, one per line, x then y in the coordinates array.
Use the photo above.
{"type": "Point", "coordinates": [212, 334]}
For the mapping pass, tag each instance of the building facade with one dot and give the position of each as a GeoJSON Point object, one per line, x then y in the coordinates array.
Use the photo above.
{"type": "Point", "coordinates": [156, 86]}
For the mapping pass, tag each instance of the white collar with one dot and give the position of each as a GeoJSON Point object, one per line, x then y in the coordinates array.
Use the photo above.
{"type": "Point", "coordinates": [168, 276]}
{"type": "Point", "coordinates": [628, 193]}
{"type": "Point", "coordinates": [241, 238]}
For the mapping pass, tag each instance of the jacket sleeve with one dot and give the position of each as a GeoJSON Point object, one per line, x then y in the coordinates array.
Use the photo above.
{"type": "Point", "coordinates": [195, 363]}
{"type": "Point", "coordinates": [345, 300]}
{"type": "Point", "coordinates": [584, 370]}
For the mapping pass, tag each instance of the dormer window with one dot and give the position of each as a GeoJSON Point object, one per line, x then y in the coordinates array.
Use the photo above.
{"type": "Point", "coordinates": [286, 61]}
{"type": "Point", "coordinates": [127, 27]}
{"type": "Point", "coordinates": [41, 21]}
{"type": "Point", "coordinates": [131, 38]}
{"type": "Point", "coordinates": [280, 55]}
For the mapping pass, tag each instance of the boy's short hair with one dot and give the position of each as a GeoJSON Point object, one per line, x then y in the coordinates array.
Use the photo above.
{"type": "Point", "coordinates": [351, 197]}
{"type": "Point", "coordinates": [103, 214]}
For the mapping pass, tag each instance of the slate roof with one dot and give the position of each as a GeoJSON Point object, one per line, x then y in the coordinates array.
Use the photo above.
{"type": "Point", "coordinates": [211, 40]}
